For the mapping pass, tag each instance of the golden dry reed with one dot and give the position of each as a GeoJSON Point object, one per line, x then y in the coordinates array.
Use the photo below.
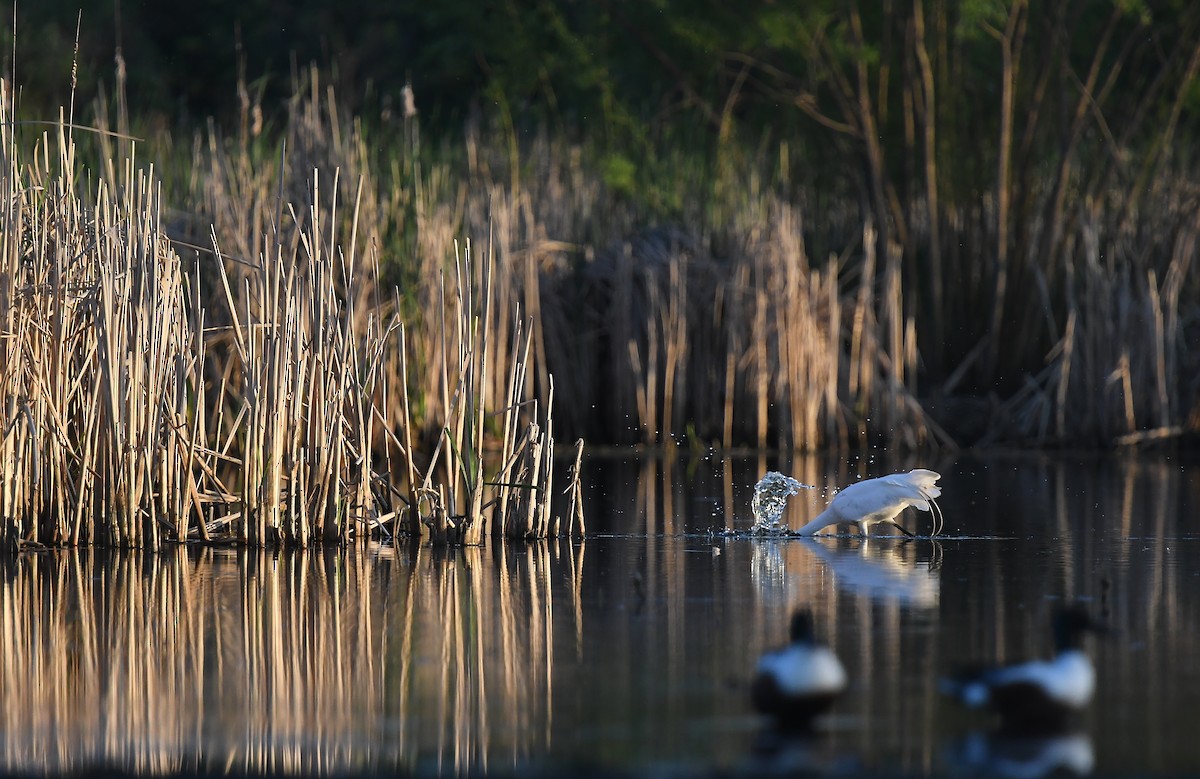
{"type": "Point", "coordinates": [647, 333]}
{"type": "Point", "coordinates": [258, 396]}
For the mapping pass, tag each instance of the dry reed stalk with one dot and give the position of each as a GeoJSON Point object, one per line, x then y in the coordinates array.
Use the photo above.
{"type": "Point", "coordinates": [673, 321]}
{"type": "Point", "coordinates": [458, 518]}
{"type": "Point", "coordinates": [525, 476]}
{"type": "Point", "coordinates": [527, 517]}
{"type": "Point", "coordinates": [861, 369]}
{"type": "Point", "coordinates": [732, 316]}
{"type": "Point", "coordinates": [411, 524]}
{"type": "Point", "coordinates": [760, 371]}
{"type": "Point", "coordinates": [509, 446]}
{"type": "Point", "coordinates": [310, 364]}
{"type": "Point", "coordinates": [802, 361]}
{"type": "Point", "coordinates": [575, 519]}
{"type": "Point", "coordinates": [547, 522]}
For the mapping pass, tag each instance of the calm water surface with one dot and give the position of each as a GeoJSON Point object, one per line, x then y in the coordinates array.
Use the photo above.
{"type": "Point", "coordinates": [631, 650]}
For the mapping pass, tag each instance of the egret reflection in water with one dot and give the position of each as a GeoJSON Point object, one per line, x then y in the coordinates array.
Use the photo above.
{"type": "Point", "coordinates": [888, 571]}
{"type": "Point", "coordinates": [881, 570]}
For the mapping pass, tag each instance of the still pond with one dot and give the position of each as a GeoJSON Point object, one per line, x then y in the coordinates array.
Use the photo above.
{"type": "Point", "coordinates": [631, 650]}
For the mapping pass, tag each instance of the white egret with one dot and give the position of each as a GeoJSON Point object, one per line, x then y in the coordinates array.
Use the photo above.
{"type": "Point", "coordinates": [874, 501]}
{"type": "Point", "coordinates": [800, 681]}
{"type": "Point", "coordinates": [1039, 695]}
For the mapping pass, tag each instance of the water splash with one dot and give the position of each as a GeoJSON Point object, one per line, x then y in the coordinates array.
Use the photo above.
{"type": "Point", "coordinates": [770, 498]}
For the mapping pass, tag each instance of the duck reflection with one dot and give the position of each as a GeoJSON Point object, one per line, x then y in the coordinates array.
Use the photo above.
{"type": "Point", "coordinates": [1022, 757]}
{"type": "Point", "coordinates": [779, 751]}
{"type": "Point", "coordinates": [883, 571]}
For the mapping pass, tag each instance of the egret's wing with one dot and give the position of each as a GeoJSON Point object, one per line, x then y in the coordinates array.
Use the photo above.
{"type": "Point", "coordinates": [926, 481]}
{"type": "Point", "coordinates": [901, 486]}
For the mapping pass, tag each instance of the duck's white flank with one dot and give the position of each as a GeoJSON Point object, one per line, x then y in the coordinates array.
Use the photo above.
{"type": "Point", "coordinates": [1069, 679]}
{"type": "Point", "coordinates": [802, 670]}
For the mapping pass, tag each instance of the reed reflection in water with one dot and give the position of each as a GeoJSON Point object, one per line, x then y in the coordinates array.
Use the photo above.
{"type": "Point", "coordinates": [299, 661]}
{"type": "Point", "coordinates": [513, 656]}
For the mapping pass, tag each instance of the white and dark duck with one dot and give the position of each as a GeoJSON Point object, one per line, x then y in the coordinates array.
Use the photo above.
{"type": "Point", "coordinates": [1039, 695]}
{"type": "Point", "coordinates": [799, 682]}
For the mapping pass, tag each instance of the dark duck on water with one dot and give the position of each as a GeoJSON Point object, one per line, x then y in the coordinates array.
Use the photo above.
{"type": "Point", "coordinates": [795, 684]}
{"type": "Point", "coordinates": [1039, 695]}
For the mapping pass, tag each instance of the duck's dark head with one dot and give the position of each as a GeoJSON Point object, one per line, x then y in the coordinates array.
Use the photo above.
{"type": "Point", "coordinates": [1071, 624]}
{"type": "Point", "coordinates": [802, 627]}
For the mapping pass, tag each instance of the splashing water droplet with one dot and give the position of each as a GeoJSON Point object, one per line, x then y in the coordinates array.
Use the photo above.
{"type": "Point", "coordinates": [770, 498]}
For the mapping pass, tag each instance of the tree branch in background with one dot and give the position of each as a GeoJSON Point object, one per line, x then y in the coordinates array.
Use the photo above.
{"type": "Point", "coordinates": [676, 72]}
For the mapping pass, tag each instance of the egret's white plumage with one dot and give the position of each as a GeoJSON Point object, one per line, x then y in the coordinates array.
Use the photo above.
{"type": "Point", "coordinates": [800, 681]}
{"type": "Point", "coordinates": [872, 501]}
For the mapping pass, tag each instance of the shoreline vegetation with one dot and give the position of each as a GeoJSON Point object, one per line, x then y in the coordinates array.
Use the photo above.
{"type": "Point", "coordinates": [260, 397]}
{"type": "Point", "coordinates": [724, 327]}
{"type": "Point", "coordinates": [317, 325]}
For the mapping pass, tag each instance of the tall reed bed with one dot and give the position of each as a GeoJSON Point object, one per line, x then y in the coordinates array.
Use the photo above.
{"type": "Point", "coordinates": [99, 356]}
{"type": "Point", "coordinates": [257, 395]}
{"type": "Point", "coordinates": [1123, 369]}
{"type": "Point", "coordinates": [463, 413]}
{"type": "Point", "coordinates": [765, 315]}
{"type": "Point", "coordinates": [727, 328]}
{"type": "Point", "coordinates": [760, 346]}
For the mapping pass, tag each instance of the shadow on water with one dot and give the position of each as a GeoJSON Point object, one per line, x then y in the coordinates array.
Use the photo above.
{"type": "Point", "coordinates": [631, 651]}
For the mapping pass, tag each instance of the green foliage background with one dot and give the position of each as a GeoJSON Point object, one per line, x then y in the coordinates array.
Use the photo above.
{"type": "Point", "coordinates": [990, 142]}
{"type": "Point", "coordinates": [629, 77]}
